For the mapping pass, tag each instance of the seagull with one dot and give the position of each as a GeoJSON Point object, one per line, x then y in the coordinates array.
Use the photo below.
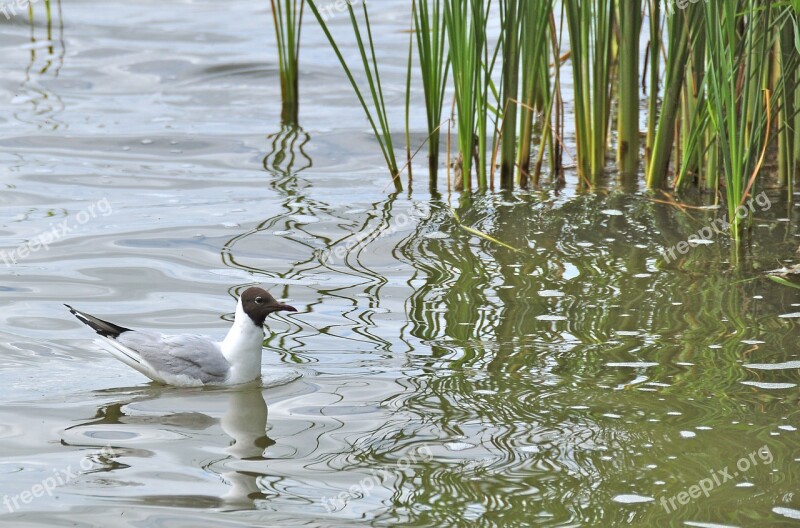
{"type": "Point", "coordinates": [191, 360]}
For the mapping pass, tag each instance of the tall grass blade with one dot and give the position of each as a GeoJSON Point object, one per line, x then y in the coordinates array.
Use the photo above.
{"type": "Point", "coordinates": [434, 61]}
{"type": "Point", "coordinates": [465, 22]}
{"type": "Point", "coordinates": [590, 25]}
{"type": "Point", "coordinates": [287, 16]}
{"type": "Point", "coordinates": [369, 63]}
{"type": "Point", "coordinates": [630, 24]}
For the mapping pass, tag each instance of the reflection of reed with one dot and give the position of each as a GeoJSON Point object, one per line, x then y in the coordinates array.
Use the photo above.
{"type": "Point", "coordinates": [46, 59]}
{"type": "Point", "coordinates": [370, 281]}
{"type": "Point", "coordinates": [286, 146]}
{"type": "Point", "coordinates": [285, 161]}
{"type": "Point", "coordinates": [531, 394]}
{"type": "Point", "coordinates": [456, 277]}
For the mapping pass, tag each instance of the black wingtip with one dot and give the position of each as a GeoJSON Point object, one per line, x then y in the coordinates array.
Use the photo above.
{"type": "Point", "coordinates": [103, 328]}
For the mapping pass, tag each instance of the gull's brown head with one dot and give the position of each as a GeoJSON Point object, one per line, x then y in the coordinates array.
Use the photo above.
{"type": "Point", "coordinates": [258, 304]}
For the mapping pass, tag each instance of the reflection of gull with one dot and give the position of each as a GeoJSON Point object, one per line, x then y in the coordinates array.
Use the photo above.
{"type": "Point", "coordinates": [245, 421]}
{"type": "Point", "coordinates": [135, 429]}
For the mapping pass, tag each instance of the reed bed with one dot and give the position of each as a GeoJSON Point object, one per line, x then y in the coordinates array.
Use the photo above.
{"type": "Point", "coordinates": [721, 79]}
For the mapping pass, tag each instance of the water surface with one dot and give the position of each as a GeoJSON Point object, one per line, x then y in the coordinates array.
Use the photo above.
{"type": "Point", "coordinates": [431, 378]}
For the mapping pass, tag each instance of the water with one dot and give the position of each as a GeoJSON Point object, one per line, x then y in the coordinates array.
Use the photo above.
{"type": "Point", "coordinates": [431, 378]}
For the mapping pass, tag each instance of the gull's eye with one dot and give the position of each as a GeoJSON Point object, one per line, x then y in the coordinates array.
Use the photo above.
{"type": "Point", "coordinates": [259, 300]}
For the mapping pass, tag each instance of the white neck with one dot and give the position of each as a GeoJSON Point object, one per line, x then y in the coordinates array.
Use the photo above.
{"type": "Point", "coordinates": [242, 348]}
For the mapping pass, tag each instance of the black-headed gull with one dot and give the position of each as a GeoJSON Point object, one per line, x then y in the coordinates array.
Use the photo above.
{"type": "Point", "coordinates": [191, 360]}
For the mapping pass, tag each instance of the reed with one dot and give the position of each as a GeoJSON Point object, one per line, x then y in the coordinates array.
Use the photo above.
{"type": "Point", "coordinates": [682, 25]}
{"type": "Point", "coordinates": [369, 63]}
{"type": "Point", "coordinates": [511, 22]}
{"type": "Point", "coordinates": [653, 66]}
{"type": "Point", "coordinates": [287, 16]}
{"type": "Point", "coordinates": [723, 79]}
{"type": "Point", "coordinates": [737, 42]}
{"type": "Point", "coordinates": [525, 76]}
{"type": "Point", "coordinates": [465, 22]}
{"type": "Point", "coordinates": [434, 64]}
{"type": "Point", "coordinates": [590, 35]}
{"type": "Point", "coordinates": [787, 53]}
{"type": "Point", "coordinates": [537, 92]}
{"type": "Point", "coordinates": [630, 24]}
{"type": "Point", "coordinates": [694, 134]}
{"type": "Point", "coordinates": [730, 89]}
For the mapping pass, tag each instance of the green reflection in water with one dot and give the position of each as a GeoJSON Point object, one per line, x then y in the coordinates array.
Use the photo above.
{"type": "Point", "coordinates": [580, 370]}
{"type": "Point", "coordinates": [550, 384]}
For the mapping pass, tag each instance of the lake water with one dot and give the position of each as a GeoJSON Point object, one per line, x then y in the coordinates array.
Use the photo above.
{"type": "Point", "coordinates": [430, 378]}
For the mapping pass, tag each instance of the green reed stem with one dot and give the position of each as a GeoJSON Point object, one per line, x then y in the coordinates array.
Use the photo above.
{"type": "Point", "coordinates": [288, 16]}
{"type": "Point", "coordinates": [429, 26]}
{"type": "Point", "coordinates": [681, 24]}
{"type": "Point", "coordinates": [510, 22]}
{"type": "Point", "coordinates": [653, 68]}
{"type": "Point", "coordinates": [590, 32]}
{"type": "Point", "coordinates": [630, 24]}
{"type": "Point", "coordinates": [369, 62]}
{"type": "Point", "coordinates": [535, 38]}
{"type": "Point", "coordinates": [465, 21]}
{"type": "Point", "coordinates": [787, 51]}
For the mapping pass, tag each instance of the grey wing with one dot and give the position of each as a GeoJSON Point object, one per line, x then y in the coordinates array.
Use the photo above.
{"type": "Point", "coordinates": [188, 355]}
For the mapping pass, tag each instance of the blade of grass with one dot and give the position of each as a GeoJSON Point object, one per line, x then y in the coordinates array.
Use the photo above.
{"type": "Point", "coordinates": [630, 24]}
{"type": "Point", "coordinates": [783, 282]}
{"type": "Point", "coordinates": [480, 234]}
{"type": "Point", "coordinates": [370, 68]}
{"type": "Point", "coordinates": [434, 62]}
{"type": "Point", "coordinates": [287, 16]}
